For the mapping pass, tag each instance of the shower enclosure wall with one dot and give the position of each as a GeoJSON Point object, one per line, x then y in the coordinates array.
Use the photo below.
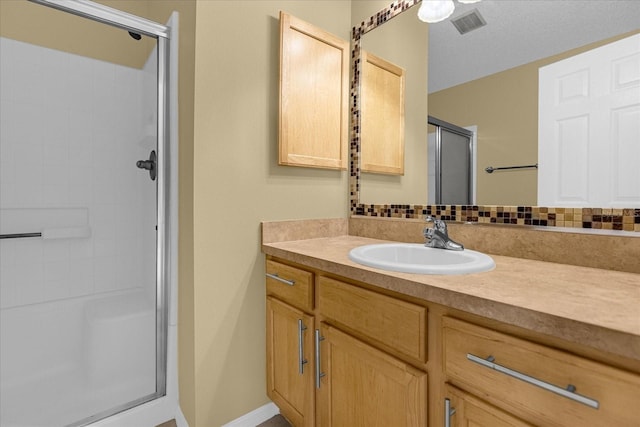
{"type": "Point", "coordinates": [83, 315]}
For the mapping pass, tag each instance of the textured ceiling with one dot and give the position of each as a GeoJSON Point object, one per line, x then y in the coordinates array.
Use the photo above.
{"type": "Point", "coordinates": [519, 32]}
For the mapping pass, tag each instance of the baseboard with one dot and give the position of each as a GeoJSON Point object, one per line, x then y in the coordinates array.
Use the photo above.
{"type": "Point", "coordinates": [255, 417]}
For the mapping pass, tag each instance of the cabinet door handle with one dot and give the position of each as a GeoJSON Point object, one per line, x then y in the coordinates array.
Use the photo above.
{"type": "Point", "coordinates": [319, 374]}
{"type": "Point", "coordinates": [568, 392]}
{"type": "Point", "coordinates": [275, 276]}
{"type": "Point", "coordinates": [301, 360]}
{"type": "Point", "coordinates": [448, 412]}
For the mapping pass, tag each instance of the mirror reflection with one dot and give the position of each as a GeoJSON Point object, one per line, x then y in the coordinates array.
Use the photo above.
{"type": "Point", "coordinates": [402, 41]}
{"type": "Point", "coordinates": [486, 79]}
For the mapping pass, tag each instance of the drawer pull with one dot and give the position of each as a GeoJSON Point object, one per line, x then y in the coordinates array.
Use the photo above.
{"type": "Point", "coordinates": [319, 374]}
{"type": "Point", "coordinates": [448, 412]}
{"type": "Point", "coordinates": [280, 279]}
{"type": "Point", "coordinates": [568, 392]}
{"type": "Point", "coordinates": [301, 360]}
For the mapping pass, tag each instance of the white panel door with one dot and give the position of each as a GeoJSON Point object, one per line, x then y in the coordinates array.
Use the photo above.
{"type": "Point", "coordinates": [589, 128]}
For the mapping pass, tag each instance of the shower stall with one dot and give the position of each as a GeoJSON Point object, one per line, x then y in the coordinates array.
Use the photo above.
{"type": "Point", "coordinates": [85, 235]}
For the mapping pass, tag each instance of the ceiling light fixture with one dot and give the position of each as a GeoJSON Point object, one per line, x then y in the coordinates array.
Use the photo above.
{"type": "Point", "coordinates": [433, 11]}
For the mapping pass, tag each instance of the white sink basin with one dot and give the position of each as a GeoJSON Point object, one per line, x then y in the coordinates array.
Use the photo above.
{"type": "Point", "coordinates": [417, 258]}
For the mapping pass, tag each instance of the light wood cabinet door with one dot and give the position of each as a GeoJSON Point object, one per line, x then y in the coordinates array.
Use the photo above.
{"type": "Point", "coordinates": [382, 128]}
{"type": "Point", "coordinates": [290, 362]}
{"type": "Point", "coordinates": [364, 387]}
{"type": "Point", "coordinates": [466, 410]}
{"type": "Point", "coordinates": [314, 91]}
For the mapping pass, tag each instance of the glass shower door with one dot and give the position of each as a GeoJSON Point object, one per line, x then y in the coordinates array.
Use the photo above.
{"type": "Point", "coordinates": [450, 164]}
{"type": "Point", "coordinates": [455, 170]}
{"type": "Point", "coordinates": [80, 318]}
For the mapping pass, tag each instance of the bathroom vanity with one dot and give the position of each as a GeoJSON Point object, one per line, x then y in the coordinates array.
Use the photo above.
{"type": "Point", "coordinates": [528, 343]}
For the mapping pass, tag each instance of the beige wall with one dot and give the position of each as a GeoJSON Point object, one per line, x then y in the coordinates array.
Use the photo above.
{"type": "Point", "coordinates": [390, 41]}
{"type": "Point", "coordinates": [504, 106]}
{"type": "Point", "coordinates": [44, 26]}
{"type": "Point", "coordinates": [237, 184]}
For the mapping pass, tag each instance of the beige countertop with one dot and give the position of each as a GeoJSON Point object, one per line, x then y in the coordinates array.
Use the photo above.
{"type": "Point", "coordinates": [590, 306]}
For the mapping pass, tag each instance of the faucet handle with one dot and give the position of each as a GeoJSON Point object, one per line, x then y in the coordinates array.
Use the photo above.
{"type": "Point", "coordinates": [437, 236]}
{"type": "Point", "coordinates": [438, 224]}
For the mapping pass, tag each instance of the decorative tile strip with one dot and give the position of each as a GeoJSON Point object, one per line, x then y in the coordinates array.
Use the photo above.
{"type": "Point", "coordinates": [357, 32]}
{"type": "Point", "coordinates": [594, 218]}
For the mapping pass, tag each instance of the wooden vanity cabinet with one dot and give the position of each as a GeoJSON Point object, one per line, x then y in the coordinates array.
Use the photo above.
{"type": "Point", "coordinates": [334, 361]}
{"type": "Point", "coordinates": [290, 329]}
{"type": "Point", "coordinates": [369, 356]}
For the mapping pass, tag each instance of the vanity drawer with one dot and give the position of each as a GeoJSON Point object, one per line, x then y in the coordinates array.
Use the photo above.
{"type": "Point", "coordinates": [534, 381]}
{"type": "Point", "coordinates": [290, 284]}
{"type": "Point", "coordinates": [395, 324]}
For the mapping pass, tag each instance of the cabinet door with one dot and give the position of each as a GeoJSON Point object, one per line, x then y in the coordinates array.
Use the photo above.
{"type": "Point", "coordinates": [361, 386]}
{"type": "Point", "coordinates": [467, 411]}
{"type": "Point", "coordinates": [290, 362]}
{"type": "Point", "coordinates": [314, 92]}
{"type": "Point", "coordinates": [382, 92]}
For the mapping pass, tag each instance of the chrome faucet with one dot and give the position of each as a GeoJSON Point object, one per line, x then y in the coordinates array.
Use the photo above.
{"type": "Point", "coordinates": [438, 237]}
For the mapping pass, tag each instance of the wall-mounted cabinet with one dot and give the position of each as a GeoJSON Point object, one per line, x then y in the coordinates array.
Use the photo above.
{"type": "Point", "coordinates": [382, 92]}
{"type": "Point", "coordinates": [314, 92]}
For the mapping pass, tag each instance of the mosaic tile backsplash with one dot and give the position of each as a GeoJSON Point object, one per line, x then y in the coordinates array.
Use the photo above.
{"type": "Point", "coordinates": [594, 218]}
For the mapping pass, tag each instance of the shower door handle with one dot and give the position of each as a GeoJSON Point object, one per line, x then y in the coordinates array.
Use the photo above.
{"type": "Point", "coordinates": [149, 165]}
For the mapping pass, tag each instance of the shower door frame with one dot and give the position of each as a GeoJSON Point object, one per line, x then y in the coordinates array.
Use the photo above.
{"type": "Point", "coordinates": [466, 133]}
{"type": "Point", "coordinates": [114, 17]}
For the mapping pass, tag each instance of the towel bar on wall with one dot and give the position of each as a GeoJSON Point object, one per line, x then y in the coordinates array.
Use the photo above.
{"type": "Point", "coordinates": [490, 169]}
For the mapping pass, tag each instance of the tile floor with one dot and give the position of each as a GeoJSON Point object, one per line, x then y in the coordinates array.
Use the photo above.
{"type": "Point", "coordinates": [277, 421]}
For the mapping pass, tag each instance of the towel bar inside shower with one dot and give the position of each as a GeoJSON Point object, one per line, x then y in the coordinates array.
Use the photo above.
{"type": "Point", "coordinates": [491, 169]}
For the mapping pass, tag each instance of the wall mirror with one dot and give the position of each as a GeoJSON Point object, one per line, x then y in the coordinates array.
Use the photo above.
{"type": "Point", "coordinates": [485, 78]}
